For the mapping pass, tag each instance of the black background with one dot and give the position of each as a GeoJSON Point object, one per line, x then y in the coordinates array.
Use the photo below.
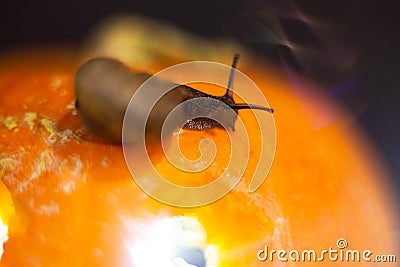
{"type": "Point", "coordinates": [370, 28]}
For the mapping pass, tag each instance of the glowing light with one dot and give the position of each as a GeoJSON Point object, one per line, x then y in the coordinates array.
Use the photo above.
{"type": "Point", "coordinates": [172, 242]}
{"type": "Point", "coordinates": [3, 236]}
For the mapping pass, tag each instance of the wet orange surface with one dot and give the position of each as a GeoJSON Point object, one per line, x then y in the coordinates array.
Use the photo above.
{"type": "Point", "coordinates": [74, 201]}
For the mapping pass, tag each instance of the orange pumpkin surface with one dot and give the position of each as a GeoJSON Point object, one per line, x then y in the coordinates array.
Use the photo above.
{"type": "Point", "coordinates": [69, 200]}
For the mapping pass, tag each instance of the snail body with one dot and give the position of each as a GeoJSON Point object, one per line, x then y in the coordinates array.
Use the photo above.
{"type": "Point", "coordinates": [104, 87]}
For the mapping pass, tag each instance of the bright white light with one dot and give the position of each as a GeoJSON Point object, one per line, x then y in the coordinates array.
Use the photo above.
{"type": "Point", "coordinates": [155, 243]}
{"type": "Point", "coordinates": [3, 236]}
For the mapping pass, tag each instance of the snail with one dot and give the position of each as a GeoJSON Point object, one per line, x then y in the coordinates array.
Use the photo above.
{"type": "Point", "coordinates": [104, 87]}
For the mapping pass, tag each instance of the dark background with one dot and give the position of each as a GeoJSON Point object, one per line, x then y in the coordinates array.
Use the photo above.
{"type": "Point", "coordinates": [370, 30]}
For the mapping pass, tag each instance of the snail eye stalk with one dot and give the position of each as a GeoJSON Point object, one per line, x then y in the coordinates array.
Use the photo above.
{"type": "Point", "coordinates": [229, 91]}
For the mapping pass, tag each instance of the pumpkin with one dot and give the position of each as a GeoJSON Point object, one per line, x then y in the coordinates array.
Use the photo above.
{"type": "Point", "coordinates": [68, 199]}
